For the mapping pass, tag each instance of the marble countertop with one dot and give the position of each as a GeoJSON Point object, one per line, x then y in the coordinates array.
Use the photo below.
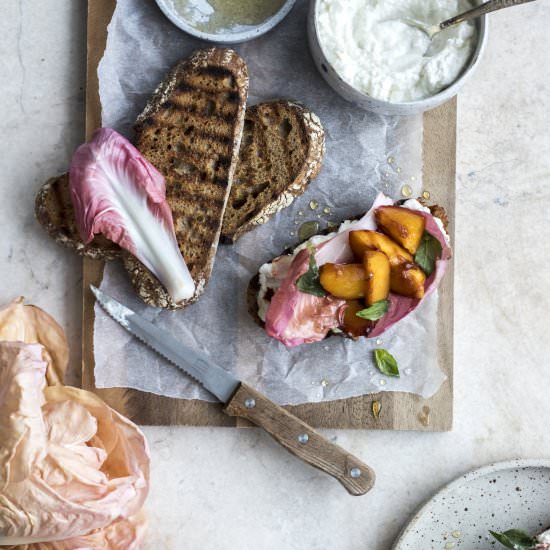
{"type": "Point", "coordinates": [218, 489]}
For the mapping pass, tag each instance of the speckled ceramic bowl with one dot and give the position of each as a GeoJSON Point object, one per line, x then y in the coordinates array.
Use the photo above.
{"type": "Point", "coordinates": [167, 7]}
{"type": "Point", "coordinates": [498, 497]}
{"type": "Point", "coordinates": [387, 107]}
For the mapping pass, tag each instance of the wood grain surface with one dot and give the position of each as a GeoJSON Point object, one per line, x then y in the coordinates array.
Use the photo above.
{"type": "Point", "coordinates": [301, 440]}
{"type": "Point", "coordinates": [398, 411]}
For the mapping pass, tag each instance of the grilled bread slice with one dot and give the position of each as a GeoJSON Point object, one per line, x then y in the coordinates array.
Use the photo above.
{"type": "Point", "coordinates": [281, 151]}
{"type": "Point", "coordinates": [190, 130]}
{"type": "Point", "coordinates": [54, 210]}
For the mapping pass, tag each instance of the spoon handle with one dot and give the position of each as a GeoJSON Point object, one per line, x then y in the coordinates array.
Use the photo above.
{"type": "Point", "coordinates": [484, 8]}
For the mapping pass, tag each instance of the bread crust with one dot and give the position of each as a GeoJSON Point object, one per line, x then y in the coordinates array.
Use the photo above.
{"type": "Point", "coordinates": [54, 211]}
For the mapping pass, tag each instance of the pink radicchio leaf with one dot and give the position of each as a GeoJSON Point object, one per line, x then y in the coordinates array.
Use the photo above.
{"type": "Point", "coordinates": [116, 192]}
{"type": "Point", "coordinates": [294, 317]}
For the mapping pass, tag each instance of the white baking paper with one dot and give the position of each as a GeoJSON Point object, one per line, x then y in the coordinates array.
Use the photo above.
{"type": "Point", "coordinates": [365, 153]}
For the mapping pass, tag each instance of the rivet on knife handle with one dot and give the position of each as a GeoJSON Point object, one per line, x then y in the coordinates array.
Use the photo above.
{"type": "Point", "coordinates": [301, 440]}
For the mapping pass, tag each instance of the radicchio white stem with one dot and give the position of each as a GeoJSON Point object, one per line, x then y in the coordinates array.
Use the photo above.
{"type": "Point", "coordinates": [117, 192]}
{"type": "Point", "coordinates": [154, 244]}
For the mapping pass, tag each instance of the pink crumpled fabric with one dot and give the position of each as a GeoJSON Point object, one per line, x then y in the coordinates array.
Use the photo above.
{"type": "Point", "coordinates": [73, 472]}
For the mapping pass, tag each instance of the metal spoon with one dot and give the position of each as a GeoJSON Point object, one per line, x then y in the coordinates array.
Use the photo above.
{"type": "Point", "coordinates": [492, 5]}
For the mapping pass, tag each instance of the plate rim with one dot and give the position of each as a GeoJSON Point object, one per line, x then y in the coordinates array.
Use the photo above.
{"type": "Point", "coordinates": [466, 478]}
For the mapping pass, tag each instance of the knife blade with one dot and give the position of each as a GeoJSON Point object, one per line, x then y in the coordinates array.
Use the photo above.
{"type": "Point", "coordinates": [244, 401]}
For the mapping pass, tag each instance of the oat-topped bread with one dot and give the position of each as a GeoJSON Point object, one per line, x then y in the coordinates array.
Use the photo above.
{"type": "Point", "coordinates": [54, 210]}
{"type": "Point", "coordinates": [190, 130]}
{"type": "Point", "coordinates": [281, 151]}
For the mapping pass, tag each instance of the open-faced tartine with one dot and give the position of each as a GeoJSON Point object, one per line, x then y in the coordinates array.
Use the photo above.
{"type": "Point", "coordinates": [357, 281]}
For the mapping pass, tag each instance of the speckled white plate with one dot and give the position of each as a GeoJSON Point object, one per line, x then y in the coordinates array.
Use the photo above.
{"type": "Point", "coordinates": [501, 496]}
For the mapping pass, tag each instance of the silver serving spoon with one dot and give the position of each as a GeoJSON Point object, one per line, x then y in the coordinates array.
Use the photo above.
{"type": "Point", "coordinates": [487, 7]}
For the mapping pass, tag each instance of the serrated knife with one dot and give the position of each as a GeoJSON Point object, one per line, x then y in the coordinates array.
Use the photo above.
{"type": "Point", "coordinates": [245, 402]}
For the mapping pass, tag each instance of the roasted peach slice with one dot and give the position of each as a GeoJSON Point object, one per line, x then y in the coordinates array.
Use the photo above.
{"type": "Point", "coordinates": [408, 280]}
{"type": "Point", "coordinates": [361, 241]}
{"type": "Point", "coordinates": [403, 225]}
{"type": "Point", "coordinates": [353, 325]}
{"type": "Point", "coordinates": [344, 281]}
{"type": "Point", "coordinates": [377, 280]}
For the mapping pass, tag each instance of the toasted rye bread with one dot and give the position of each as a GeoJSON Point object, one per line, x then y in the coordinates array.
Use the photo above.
{"type": "Point", "coordinates": [190, 130]}
{"type": "Point", "coordinates": [281, 151]}
{"type": "Point", "coordinates": [54, 210]}
{"type": "Point", "coordinates": [267, 126]}
{"type": "Point", "coordinates": [254, 285]}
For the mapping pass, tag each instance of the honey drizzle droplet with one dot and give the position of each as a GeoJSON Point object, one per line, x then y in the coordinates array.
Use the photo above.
{"type": "Point", "coordinates": [406, 190]}
{"type": "Point", "coordinates": [424, 416]}
{"type": "Point", "coordinates": [308, 229]}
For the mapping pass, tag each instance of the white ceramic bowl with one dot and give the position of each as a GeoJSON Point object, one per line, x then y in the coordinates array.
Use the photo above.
{"type": "Point", "coordinates": [387, 107]}
{"type": "Point", "coordinates": [168, 9]}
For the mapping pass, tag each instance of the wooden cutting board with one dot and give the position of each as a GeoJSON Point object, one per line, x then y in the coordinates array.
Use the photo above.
{"type": "Point", "coordinates": [399, 411]}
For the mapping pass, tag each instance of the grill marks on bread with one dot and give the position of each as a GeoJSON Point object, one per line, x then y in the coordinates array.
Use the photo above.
{"type": "Point", "coordinates": [190, 131]}
{"type": "Point", "coordinates": [281, 152]}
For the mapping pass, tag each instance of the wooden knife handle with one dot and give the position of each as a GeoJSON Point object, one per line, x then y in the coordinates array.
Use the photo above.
{"type": "Point", "coordinates": [301, 440]}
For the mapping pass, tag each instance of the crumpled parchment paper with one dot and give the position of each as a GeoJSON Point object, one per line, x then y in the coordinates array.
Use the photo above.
{"type": "Point", "coordinates": [365, 153]}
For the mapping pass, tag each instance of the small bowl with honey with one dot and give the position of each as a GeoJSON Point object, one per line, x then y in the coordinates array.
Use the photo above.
{"type": "Point", "coordinates": [226, 21]}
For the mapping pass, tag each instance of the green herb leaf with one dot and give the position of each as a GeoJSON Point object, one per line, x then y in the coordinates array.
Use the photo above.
{"type": "Point", "coordinates": [428, 252]}
{"type": "Point", "coordinates": [515, 539]}
{"type": "Point", "coordinates": [310, 282]}
{"type": "Point", "coordinates": [386, 362]}
{"type": "Point", "coordinates": [374, 312]}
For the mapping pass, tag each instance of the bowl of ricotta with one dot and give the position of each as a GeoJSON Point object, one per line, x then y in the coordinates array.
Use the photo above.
{"type": "Point", "coordinates": [368, 53]}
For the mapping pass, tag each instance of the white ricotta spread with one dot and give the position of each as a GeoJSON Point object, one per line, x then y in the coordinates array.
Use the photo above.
{"type": "Point", "coordinates": [267, 282]}
{"type": "Point", "coordinates": [375, 51]}
{"type": "Point", "coordinates": [544, 538]}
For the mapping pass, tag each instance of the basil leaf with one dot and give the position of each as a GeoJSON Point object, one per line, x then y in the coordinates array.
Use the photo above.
{"type": "Point", "coordinates": [428, 252]}
{"type": "Point", "coordinates": [374, 312]}
{"type": "Point", "coordinates": [515, 539]}
{"type": "Point", "coordinates": [310, 282]}
{"type": "Point", "coordinates": [386, 362]}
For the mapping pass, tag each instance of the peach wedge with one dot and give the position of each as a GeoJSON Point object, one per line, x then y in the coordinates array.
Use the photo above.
{"type": "Point", "coordinates": [361, 241]}
{"type": "Point", "coordinates": [353, 325]}
{"type": "Point", "coordinates": [377, 282]}
{"type": "Point", "coordinates": [344, 281]}
{"type": "Point", "coordinates": [403, 225]}
{"type": "Point", "coordinates": [408, 280]}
